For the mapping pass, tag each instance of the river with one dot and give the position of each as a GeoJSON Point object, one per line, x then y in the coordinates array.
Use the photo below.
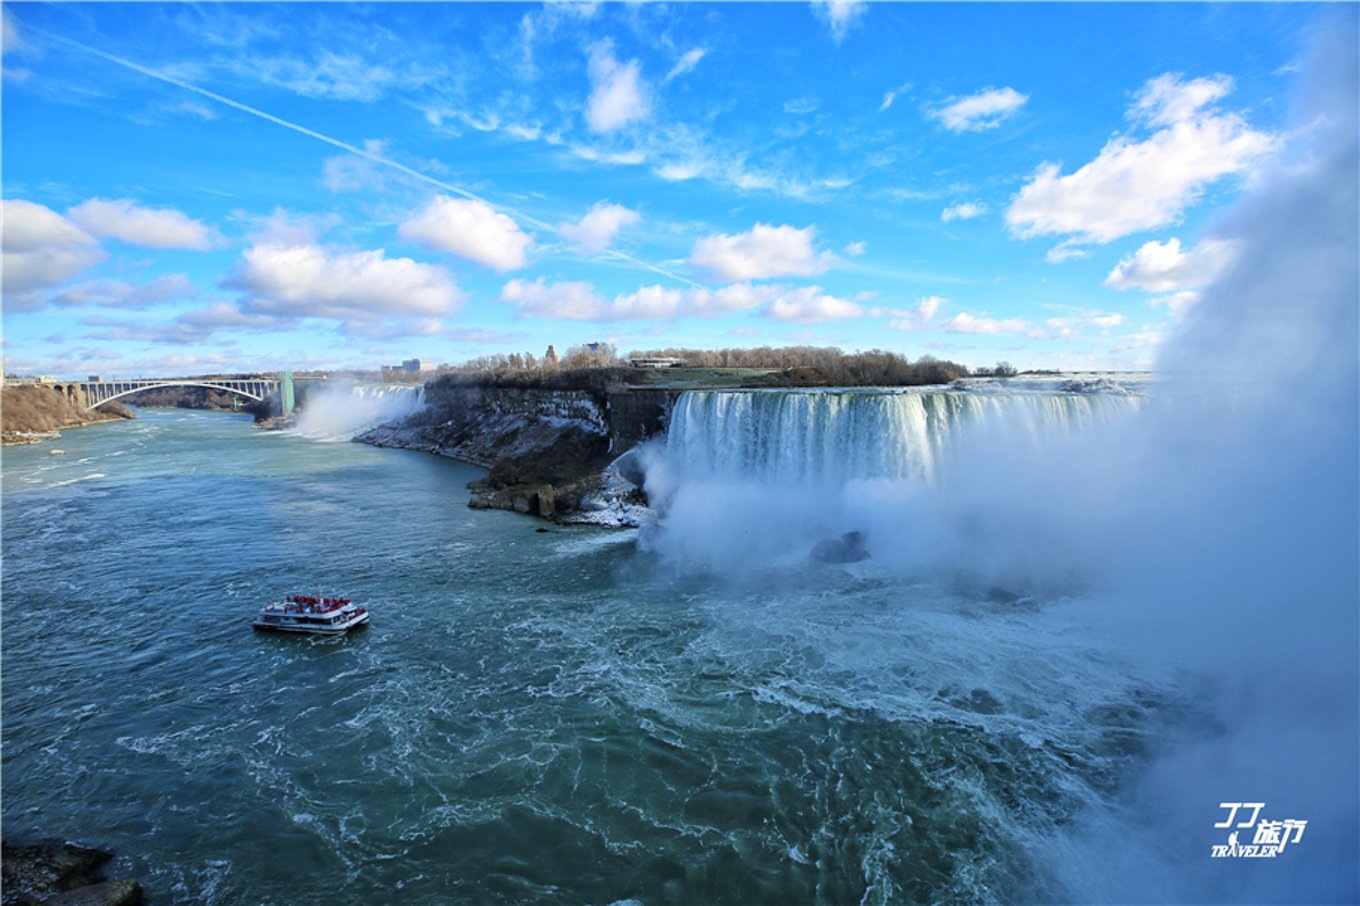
{"type": "Point", "coordinates": [567, 716]}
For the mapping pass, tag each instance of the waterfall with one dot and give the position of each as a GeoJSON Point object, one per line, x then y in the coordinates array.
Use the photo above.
{"type": "Point", "coordinates": [745, 477]}
{"type": "Point", "coordinates": [830, 438]}
{"type": "Point", "coordinates": [342, 411]}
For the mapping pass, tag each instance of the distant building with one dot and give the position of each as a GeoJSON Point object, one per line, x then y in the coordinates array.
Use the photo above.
{"type": "Point", "coordinates": [95, 379]}
{"type": "Point", "coordinates": [550, 357]}
{"type": "Point", "coordinates": [415, 365]}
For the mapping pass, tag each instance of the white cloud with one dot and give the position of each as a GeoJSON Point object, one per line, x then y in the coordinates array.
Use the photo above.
{"type": "Point", "coordinates": [307, 281]}
{"type": "Point", "coordinates": [119, 294]}
{"type": "Point", "coordinates": [579, 301]}
{"type": "Point", "coordinates": [1161, 267]}
{"type": "Point", "coordinates": [343, 77]}
{"type": "Point", "coordinates": [839, 15]}
{"type": "Point", "coordinates": [890, 96]}
{"type": "Point", "coordinates": [800, 106]}
{"type": "Point", "coordinates": [913, 318]}
{"type": "Point", "coordinates": [685, 64]}
{"type": "Point", "coordinates": [29, 226]}
{"type": "Point", "coordinates": [855, 249]}
{"type": "Point", "coordinates": [618, 95]}
{"type": "Point", "coordinates": [595, 232]}
{"type": "Point", "coordinates": [764, 252]}
{"type": "Point", "coordinates": [986, 109]}
{"type": "Point", "coordinates": [469, 229]}
{"type": "Point", "coordinates": [125, 220]}
{"type": "Point", "coordinates": [808, 305]}
{"type": "Point", "coordinates": [1063, 328]}
{"type": "Point", "coordinates": [41, 249]}
{"type": "Point", "coordinates": [1166, 101]}
{"type": "Point", "coordinates": [1137, 185]}
{"type": "Point", "coordinates": [963, 322]}
{"type": "Point", "coordinates": [1064, 251]}
{"type": "Point", "coordinates": [964, 210]}
{"type": "Point", "coordinates": [565, 301]}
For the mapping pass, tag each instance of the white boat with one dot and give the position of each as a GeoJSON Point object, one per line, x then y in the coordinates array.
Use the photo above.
{"type": "Point", "coordinates": [312, 613]}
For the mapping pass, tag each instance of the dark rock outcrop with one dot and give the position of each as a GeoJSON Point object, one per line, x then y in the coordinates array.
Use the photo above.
{"type": "Point", "coordinates": [61, 874]}
{"type": "Point", "coordinates": [546, 449]}
{"type": "Point", "coordinates": [848, 548]}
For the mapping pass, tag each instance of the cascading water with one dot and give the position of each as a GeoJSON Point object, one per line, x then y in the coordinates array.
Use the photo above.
{"type": "Point", "coordinates": [744, 476]}
{"type": "Point", "coordinates": [835, 437]}
{"type": "Point", "coordinates": [339, 413]}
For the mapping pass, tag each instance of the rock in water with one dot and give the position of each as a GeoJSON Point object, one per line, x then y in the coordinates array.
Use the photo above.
{"type": "Point", "coordinates": [848, 548]}
{"type": "Point", "coordinates": [61, 874]}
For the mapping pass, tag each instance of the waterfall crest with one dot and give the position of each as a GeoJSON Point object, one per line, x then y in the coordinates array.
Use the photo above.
{"type": "Point", "coordinates": [830, 438]}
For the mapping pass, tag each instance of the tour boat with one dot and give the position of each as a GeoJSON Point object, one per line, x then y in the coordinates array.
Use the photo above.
{"type": "Point", "coordinates": [312, 613]}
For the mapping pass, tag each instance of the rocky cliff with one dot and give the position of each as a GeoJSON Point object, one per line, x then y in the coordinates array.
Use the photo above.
{"type": "Point", "coordinates": [548, 451]}
{"type": "Point", "coordinates": [34, 412]}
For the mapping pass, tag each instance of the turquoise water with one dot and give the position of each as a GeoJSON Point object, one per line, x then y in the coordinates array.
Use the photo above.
{"type": "Point", "coordinates": [530, 716]}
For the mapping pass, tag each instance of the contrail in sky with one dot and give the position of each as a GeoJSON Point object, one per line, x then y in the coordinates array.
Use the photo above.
{"type": "Point", "coordinates": [345, 146]}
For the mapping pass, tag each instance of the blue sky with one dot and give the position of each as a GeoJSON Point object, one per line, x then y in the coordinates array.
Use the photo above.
{"type": "Point", "coordinates": [193, 188]}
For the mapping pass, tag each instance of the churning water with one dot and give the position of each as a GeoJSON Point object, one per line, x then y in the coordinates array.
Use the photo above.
{"type": "Point", "coordinates": [530, 716]}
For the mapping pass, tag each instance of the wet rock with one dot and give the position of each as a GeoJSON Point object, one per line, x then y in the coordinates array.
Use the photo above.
{"type": "Point", "coordinates": [544, 501]}
{"type": "Point", "coordinates": [61, 874]}
{"type": "Point", "coordinates": [848, 548]}
{"type": "Point", "coordinates": [630, 468]}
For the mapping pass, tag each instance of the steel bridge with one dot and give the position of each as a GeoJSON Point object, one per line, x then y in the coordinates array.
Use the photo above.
{"type": "Point", "coordinates": [93, 394]}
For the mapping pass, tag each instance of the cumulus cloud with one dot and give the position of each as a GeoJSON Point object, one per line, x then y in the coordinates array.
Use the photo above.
{"type": "Point", "coordinates": [855, 249]}
{"type": "Point", "coordinates": [306, 281]}
{"type": "Point", "coordinates": [685, 64]}
{"type": "Point", "coordinates": [579, 301]}
{"type": "Point", "coordinates": [563, 301]}
{"type": "Point", "coordinates": [41, 249]}
{"type": "Point", "coordinates": [1161, 267]}
{"type": "Point", "coordinates": [762, 253]}
{"type": "Point", "coordinates": [472, 230]}
{"type": "Point", "coordinates": [190, 327]}
{"type": "Point", "coordinates": [595, 232]}
{"type": "Point", "coordinates": [964, 210]}
{"type": "Point", "coordinates": [984, 110]}
{"type": "Point", "coordinates": [125, 220]}
{"type": "Point", "coordinates": [1135, 185]}
{"type": "Point", "coordinates": [839, 15]}
{"type": "Point", "coordinates": [618, 95]}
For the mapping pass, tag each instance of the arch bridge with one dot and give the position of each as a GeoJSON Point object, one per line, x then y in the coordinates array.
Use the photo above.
{"type": "Point", "coordinates": [93, 394]}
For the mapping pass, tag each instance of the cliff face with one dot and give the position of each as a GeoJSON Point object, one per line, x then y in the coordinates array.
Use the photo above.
{"type": "Point", "coordinates": [547, 450]}
{"type": "Point", "coordinates": [34, 412]}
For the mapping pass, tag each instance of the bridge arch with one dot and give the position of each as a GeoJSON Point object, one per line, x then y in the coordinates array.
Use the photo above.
{"type": "Point", "coordinates": [109, 391]}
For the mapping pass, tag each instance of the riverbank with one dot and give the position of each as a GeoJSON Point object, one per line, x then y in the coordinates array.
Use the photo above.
{"type": "Point", "coordinates": [33, 413]}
